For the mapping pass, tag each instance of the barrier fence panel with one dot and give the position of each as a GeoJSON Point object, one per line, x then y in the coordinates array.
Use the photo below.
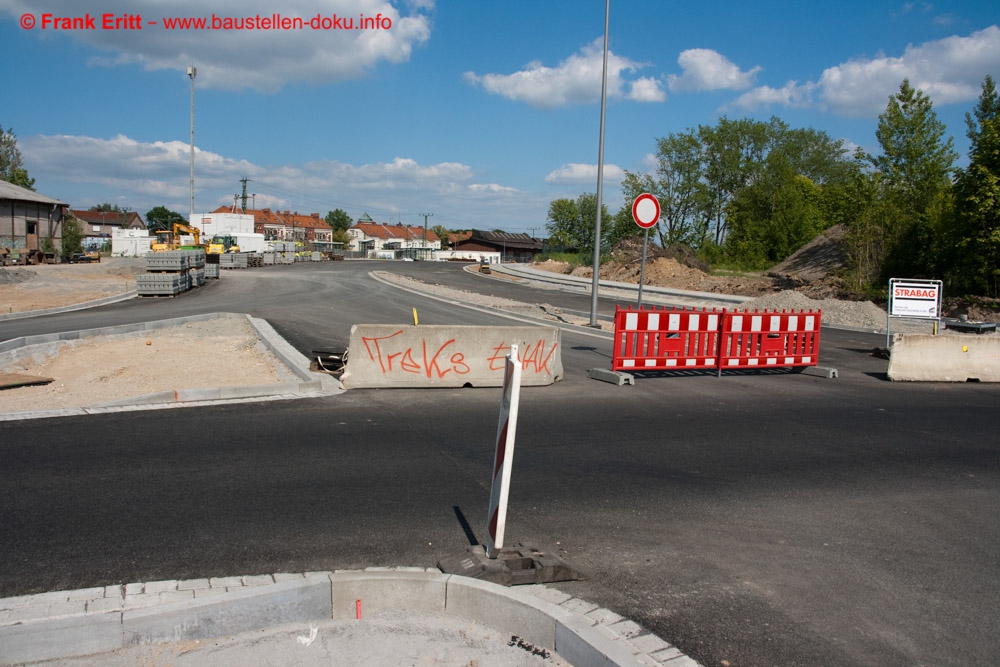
{"type": "Point", "coordinates": [666, 338]}
{"type": "Point", "coordinates": [769, 339]}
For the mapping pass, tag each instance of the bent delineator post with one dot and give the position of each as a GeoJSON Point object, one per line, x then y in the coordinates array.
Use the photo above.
{"type": "Point", "coordinates": [504, 454]}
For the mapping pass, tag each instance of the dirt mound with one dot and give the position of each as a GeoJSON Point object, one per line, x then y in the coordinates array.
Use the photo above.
{"type": "Point", "coordinates": [553, 266]}
{"type": "Point", "coordinates": [816, 260]}
{"type": "Point", "coordinates": [15, 276]}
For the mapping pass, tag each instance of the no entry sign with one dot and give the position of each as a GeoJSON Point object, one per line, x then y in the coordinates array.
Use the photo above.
{"type": "Point", "coordinates": [646, 210]}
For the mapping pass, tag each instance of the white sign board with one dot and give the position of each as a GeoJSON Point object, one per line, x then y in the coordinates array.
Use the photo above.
{"type": "Point", "coordinates": [914, 298]}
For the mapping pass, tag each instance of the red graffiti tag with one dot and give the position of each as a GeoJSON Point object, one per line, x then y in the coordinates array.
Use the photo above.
{"type": "Point", "coordinates": [430, 365]}
{"type": "Point", "coordinates": [533, 358]}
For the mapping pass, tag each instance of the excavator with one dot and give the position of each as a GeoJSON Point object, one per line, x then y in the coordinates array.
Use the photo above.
{"type": "Point", "coordinates": [171, 239]}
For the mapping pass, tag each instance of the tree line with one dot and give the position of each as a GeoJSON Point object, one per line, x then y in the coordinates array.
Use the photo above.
{"type": "Point", "coordinates": [747, 194]}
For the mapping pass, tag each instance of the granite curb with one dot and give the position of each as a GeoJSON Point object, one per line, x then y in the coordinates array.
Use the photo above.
{"type": "Point", "coordinates": [124, 296]}
{"type": "Point", "coordinates": [66, 624]}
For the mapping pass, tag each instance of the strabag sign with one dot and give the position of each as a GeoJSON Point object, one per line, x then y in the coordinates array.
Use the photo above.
{"type": "Point", "coordinates": [914, 298]}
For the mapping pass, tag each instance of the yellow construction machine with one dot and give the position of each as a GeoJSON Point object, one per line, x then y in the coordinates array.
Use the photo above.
{"type": "Point", "coordinates": [221, 244]}
{"type": "Point", "coordinates": [171, 239]}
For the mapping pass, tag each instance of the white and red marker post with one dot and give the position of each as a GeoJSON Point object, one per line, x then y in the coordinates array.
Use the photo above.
{"type": "Point", "coordinates": [504, 456]}
{"type": "Point", "coordinates": [646, 213]}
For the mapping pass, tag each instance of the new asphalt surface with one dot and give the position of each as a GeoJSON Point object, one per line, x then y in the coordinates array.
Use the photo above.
{"type": "Point", "coordinates": [758, 518]}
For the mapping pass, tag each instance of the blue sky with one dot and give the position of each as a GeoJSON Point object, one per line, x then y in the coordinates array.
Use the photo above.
{"type": "Point", "coordinates": [479, 112]}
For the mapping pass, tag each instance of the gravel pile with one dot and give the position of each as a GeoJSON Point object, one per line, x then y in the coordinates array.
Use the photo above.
{"type": "Point", "coordinates": [862, 314]}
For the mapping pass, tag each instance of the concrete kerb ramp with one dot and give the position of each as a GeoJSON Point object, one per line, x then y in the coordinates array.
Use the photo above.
{"type": "Point", "coordinates": [928, 358]}
{"type": "Point", "coordinates": [390, 355]}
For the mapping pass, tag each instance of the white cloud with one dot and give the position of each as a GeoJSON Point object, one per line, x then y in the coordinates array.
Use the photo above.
{"type": "Point", "coordinates": [647, 89]}
{"type": "Point", "coordinates": [86, 170]}
{"type": "Point", "coordinates": [262, 59]}
{"type": "Point", "coordinates": [705, 69]}
{"type": "Point", "coordinates": [576, 80]}
{"type": "Point", "coordinates": [492, 188]}
{"type": "Point", "coordinates": [948, 70]}
{"type": "Point", "coordinates": [584, 173]}
{"type": "Point", "coordinates": [791, 95]}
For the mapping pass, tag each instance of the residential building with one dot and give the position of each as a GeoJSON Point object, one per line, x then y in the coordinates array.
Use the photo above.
{"type": "Point", "coordinates": [104, 223]}
{"type": "Point", "coordinates": [287, 225]}
{"type": "Point", "coordinates": [378, 239]}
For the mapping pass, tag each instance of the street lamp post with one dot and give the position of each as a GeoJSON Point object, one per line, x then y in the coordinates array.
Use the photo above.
{"type": "Point", "coordinates": [192, 73]}
{"type": "Point", "coordinates": [600, 175]}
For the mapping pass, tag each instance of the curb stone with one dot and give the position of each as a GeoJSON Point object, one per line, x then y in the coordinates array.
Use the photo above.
{"type": "Point", "coordinates": [67, 624]}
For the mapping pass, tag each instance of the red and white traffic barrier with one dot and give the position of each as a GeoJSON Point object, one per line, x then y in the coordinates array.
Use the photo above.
{"type": "Point", "coordinates": [666, 339]}
{"type": "Point", "coordinates": [504, 454]}
{"type": "Point", "coordinates": [753, 340]}
{"type": "Point", "coordinates": [657, 339]}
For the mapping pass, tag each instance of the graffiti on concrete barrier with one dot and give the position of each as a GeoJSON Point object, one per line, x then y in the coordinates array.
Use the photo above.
{"type": "Point", "coordinates": [392, 359]}
{"type": "Point", "coordinates": [533, 358]}
{"type": "Point", "coordinates": [435, 361]}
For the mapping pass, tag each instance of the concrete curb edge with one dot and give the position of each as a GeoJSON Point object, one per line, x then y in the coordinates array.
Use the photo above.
{"type": "Point", "coordinates": [66, 624]}
{"type": "Point", "coordinates": [310, 383]}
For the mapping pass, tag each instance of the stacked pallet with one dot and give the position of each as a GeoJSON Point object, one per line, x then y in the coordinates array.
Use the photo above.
{"type": "Point", "coordinates": [171, 272]}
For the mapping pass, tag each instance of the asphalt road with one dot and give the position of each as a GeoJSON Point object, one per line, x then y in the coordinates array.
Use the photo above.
{"type": "Point", "coordinates": [759, 519]}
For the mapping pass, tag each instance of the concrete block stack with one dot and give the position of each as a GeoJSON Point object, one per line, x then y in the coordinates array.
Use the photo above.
{"type": "Point", "coordinates": [171, 272]}
{"type": "Point", "coordinates": [233, 260]}
{"type": "Point", "coordinates": [284, 252]}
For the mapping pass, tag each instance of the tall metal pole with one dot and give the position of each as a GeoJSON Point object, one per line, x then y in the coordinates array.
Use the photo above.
{"type": "Point", "coordinates": [600, 174]}
{"type": "Point", "coordinates": [192, 73]}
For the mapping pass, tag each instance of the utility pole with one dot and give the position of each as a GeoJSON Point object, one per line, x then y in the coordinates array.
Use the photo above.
{"type": "Point", "coordinates": [426, 215]}
{"type": "Point", "coordinates": [244, 181]}
{"type": "Point", "coordinates": [192, 73]}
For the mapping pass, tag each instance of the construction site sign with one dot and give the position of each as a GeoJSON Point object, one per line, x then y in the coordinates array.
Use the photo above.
{"type": "Point", "coordinates": [915, 298]}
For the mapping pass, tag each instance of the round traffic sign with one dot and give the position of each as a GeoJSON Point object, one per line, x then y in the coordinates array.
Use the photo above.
{"type": "Point", "coordinates": [646, 210]}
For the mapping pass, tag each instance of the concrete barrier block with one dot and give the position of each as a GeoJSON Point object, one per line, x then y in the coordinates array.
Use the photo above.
{"type": "Point", "coordinates": [60, 638]}
{"type": "Point", "coordinates": [381, 592]}
{"type": "Point", "coordinates": [390, 355]}
{"type": "Point", "coordinates": [530, 619]}
{"type": "Point", "coordinates": [928, 358]}
{"type": "Point", "coordinates": [240, 610]}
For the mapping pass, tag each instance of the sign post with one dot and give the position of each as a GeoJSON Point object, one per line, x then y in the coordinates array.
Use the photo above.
{"type": "Point", "coordinates": [503, 458]}
{"type": "Point", "coordinates": [646, 213]}
{"type": "Point", "coordinates": [913, 298]}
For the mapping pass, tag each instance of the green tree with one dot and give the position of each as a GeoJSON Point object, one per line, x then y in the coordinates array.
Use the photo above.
{"type": "Point", "coordinates": [975, 235]}
{"type": "Point", "coordinates": [107, 208]}
{"type": "Point", "coordinates": [11, 164]}
{"type": "Point", "coordinates": [733, 151]}
{"type": "Point", "coordinates": [160, 217]}
{"type": "Point", "coordinates": [442, 233]}
{"type": "Point", "coordinates": [915, 166]}
{"type": "Point", "coordinates": [571, 222]}
{"type": "Point", "coordinates": [72, 235]}
{"type": "Point", "coordinates": [678, 185]}
{"type": "Point", "coordinates": [338, 220]}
